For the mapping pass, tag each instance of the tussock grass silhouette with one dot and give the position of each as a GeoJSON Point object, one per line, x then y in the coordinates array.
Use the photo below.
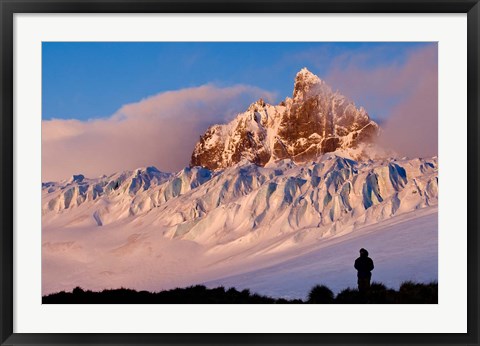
{"type": "Point", "coordinates": [408, 293]}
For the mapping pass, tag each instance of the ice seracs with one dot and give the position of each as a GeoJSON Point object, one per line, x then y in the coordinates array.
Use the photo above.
{"type": "Point", "coordinates": [330, 195]}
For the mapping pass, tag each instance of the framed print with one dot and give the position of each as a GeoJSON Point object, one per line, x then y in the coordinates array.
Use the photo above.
{"type": "Point", "coordinates": [242, 173]}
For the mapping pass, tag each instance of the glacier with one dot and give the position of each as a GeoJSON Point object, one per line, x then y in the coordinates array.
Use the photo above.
{"type": "Point", "coordinates": [150, 230]}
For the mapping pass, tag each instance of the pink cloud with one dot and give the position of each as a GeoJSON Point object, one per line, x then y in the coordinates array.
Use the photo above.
{"type": "Point", "coordinates": [411, 126]}
{"type": "Point", "coordinates": [160, 130]}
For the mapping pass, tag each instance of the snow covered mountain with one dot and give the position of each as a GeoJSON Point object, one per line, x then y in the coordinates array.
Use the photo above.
{"type": "Point", "coordinates": [314, 121]}
{"type": "Point", "coordinates": [274, 188]}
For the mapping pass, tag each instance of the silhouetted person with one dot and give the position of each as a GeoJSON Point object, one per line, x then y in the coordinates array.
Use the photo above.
{"type": "Point", "coordinates": [364, 266]}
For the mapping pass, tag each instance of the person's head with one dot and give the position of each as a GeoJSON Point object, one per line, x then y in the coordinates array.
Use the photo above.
{"type": "Point", "coordinates": [363, 252]}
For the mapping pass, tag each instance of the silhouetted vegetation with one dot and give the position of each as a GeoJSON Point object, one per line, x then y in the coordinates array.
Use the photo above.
{"type": "Point", "coordinates": [321, 294]}
{"type": "Point", "coordinates": [415, 293]}
{"type": "Point", "coordinates": [408, 293]}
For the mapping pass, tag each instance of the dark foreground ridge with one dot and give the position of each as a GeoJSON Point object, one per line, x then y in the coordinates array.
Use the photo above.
{"type": "Point", "coordinates": [408, 293]}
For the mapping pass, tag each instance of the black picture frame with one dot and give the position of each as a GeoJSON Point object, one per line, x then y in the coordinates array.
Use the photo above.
{"type": "Point", "coordinates": [9, 7]}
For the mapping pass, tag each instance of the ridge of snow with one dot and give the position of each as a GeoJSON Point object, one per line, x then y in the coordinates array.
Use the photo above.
{"type": "Point", "coordinates": [330, 194]}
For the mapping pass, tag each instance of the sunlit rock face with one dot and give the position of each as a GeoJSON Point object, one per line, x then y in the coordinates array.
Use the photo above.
{"type": "Point", "coordinates": [314, 121]}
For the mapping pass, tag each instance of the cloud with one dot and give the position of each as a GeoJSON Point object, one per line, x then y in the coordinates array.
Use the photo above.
{"type": "Point", "coordinates": [404, 95]}
{"type": "Point", "coordinates": [160, 130]}
{"type": "Point", "coordinates": [412, 127]}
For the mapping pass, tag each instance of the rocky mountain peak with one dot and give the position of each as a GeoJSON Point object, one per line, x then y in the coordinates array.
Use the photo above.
{"type": "Point", "coordinates": [305, 75]}
{"type": "Point", "coordinates": [315, 121]}
{"type": "Point", "coordinates": [307, 83]}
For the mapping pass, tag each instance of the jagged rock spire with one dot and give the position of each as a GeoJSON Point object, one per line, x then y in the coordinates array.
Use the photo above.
{"type": "Point", "coordinates": [315, 121]}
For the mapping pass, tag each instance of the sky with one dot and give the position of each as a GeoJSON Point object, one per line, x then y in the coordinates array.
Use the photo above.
{"type": "Point", "coordinates": [111, 106]}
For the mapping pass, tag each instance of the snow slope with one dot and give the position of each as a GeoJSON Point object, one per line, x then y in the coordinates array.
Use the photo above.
{"type": "Point", "coordinates": [150, 230]}
{"type": "Point", "coordinates": [404, 248]}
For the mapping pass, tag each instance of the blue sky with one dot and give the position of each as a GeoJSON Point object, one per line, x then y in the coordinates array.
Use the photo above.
{"type": "Point", "coordinates": [92, 80]}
